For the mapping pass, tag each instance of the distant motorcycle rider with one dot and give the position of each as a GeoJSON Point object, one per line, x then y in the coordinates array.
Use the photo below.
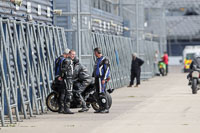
{"type": "Point", "coordinates": [101, 74]}
{"type": "Point", "coordinates": [82, 80]}
{"type": "Point", "coordinates": [64, 72]}
{"type": "Point", "coordinates": [195, 64]}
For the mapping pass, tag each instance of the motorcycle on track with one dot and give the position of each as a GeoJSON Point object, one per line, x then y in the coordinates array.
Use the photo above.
{"type": "Point", "coordinates": [195, 79]}
{"type": "Point", "coordinates": [162, 68]}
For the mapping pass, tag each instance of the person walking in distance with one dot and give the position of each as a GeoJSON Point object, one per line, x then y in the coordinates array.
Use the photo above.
{"type": "Point", "coordinates": [166, 60]}
{"type": "Point", "coordinates": [135, 70]}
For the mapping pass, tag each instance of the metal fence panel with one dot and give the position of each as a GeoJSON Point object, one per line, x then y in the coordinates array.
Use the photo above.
{"type": "Point", "coordinates": [27, 55]}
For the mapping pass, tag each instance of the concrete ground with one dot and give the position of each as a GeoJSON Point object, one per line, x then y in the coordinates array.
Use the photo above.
{"type": "Point", "coordinates": [159, 105]}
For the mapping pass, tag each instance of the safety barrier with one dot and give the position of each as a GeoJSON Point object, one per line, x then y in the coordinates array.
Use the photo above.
{"type": "Point", "coordinates": [27, 55]}
{"type": "Point", "coordinates": [119, 50]}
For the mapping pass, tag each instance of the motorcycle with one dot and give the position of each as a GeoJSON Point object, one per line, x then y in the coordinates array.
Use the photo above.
{"type": "Point", "coordinates": [162, 68]}
{"type": "Point", "coordinates": [90, 96]}
{"type": "Point", "coordinates": [195, 80]}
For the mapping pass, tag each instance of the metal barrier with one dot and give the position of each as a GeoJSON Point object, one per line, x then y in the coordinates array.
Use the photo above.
{"type": "Point", "coordinates": [27, 54]}
{"type": "Point", "coordinates": [119, 50]}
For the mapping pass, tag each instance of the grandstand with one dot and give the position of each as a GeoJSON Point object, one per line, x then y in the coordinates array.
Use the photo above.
{"type": "Point", "coordinates": [182, 19]}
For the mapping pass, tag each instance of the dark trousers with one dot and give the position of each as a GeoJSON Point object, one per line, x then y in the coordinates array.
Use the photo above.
{"type": "Point", "coordinates": [79, 88]}
{"type": "Point", "coordinates": [135, 75]}
{"type": "Point", "coordinates": [102, 99]}
{"type": "Point", "coordinates": [65, 98]}
{"type": "Point", "coordinates": [65, 95]}
{"type": "Point", "coordinates": [167, 68]}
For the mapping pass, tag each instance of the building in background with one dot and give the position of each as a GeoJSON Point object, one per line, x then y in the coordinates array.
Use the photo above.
{"type": "Point", "coordinates": [36, 11]}
{"type": "Point", "coordinates": [182, 24]}
{"type": "Point", "coordinates": [112, 17]}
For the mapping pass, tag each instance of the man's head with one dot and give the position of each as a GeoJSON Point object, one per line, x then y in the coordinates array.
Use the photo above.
{"type": "Point", "coordinates": [66, 53]}
{"type": "Point", "coordinates": [97, 52]}
{"type": "Point", "coordinates": [165, 52]}
{"type": "Point", "coordinates": [134, 55]}
{"type": "Point", "coordinates": [72, 54]}
{"type": "Point", "coordinates": [76, 60]}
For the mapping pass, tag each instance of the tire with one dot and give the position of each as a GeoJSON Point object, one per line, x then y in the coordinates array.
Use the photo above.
{"type": "Point", "coordinates": [162, 72]}
{"type": "Point", "coordinates": [109, 100]}
{"type": "Point", "coordinates": [52, 102]}
{"type": "Point", "coordinates": [95, 105]}
{"type": "Point", "coordinates": [194, 86]}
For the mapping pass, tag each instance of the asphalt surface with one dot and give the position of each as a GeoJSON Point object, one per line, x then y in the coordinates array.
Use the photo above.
{"type": "Point", "coordinates": [159, 105]}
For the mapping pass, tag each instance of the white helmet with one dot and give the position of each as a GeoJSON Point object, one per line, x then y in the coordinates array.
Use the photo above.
{"type": "Point", "coordinates": [66, 51]}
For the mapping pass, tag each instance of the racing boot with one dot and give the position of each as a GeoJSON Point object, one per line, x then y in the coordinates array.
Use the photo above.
{"type": "Point", "coordinates": [67, 110]}
{"type": "Point", "coordinates": [98, 111]}
{"type": "Point", "coordinates": [84, 109]}
{"type": "Point", "coordinates": [104, 111]}
{"type": "Point", "coordinates": [84, 106]}
{"type": "Point", "coordinates": [61, 103]}
{"type": "Point", "coordinates": [61, 109]}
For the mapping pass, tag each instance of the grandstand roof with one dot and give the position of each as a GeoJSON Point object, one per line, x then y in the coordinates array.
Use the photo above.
{"type": "Point", "coordinates": [180, 26]}
{"type": "Point", "coordinates": [171, 4]}
{"type": "Point", "coordinates": [183, 25]}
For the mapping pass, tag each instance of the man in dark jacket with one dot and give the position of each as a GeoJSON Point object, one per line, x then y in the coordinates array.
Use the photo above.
{"type": "Point", "coordinates": [63, 74]}
{"type": "Point", "coordinates": [82, 80]}
{"type": "Point", "coordinates": [135, 70]}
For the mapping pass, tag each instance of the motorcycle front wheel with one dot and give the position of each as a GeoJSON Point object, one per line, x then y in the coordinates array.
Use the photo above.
{"type": "Point", "coordinates": [162, 71]}
{"type": "Point", "coordinates": [194, 86]}
{"type": "Point", "coordinates": [52, 102]}
{"type": "Point", "coordinates": [96, 106]}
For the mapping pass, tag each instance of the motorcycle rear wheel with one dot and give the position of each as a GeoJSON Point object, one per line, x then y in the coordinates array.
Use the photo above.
{"type": "Point", "coordinates": [52, 102]}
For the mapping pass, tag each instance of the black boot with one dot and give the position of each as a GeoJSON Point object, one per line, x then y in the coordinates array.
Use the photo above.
{"type": "Point", "coordinates": [104, 111]}
{"type": "Point", "coordinates": [85, 109]}
{"type": "Point", "coordinates": [61, 110]}
{"type": "Point", "coordinates": [84, 106]}
{"type": "Point", "coordinates": [98, 111]}
{"type": "Point", "coordinates": [67, 110]}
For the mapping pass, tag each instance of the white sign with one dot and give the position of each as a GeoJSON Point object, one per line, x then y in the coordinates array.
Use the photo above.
{"type": "Point", "coordinates": [29, 7]}
{"type": "Point", "coordinates": [48, 12]}
{"type": "Point", "coordinates": [108, 26]}
{"type": "Point", "coordinates": [39, 10]}
{"type": "Point", "coordinates": [86, 20]}
{"type": "Point", "coordinates": [17, 7]}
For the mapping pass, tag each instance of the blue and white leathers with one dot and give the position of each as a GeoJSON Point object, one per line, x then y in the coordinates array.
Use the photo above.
{"type": "Point", "coordinates": [102, 71]}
